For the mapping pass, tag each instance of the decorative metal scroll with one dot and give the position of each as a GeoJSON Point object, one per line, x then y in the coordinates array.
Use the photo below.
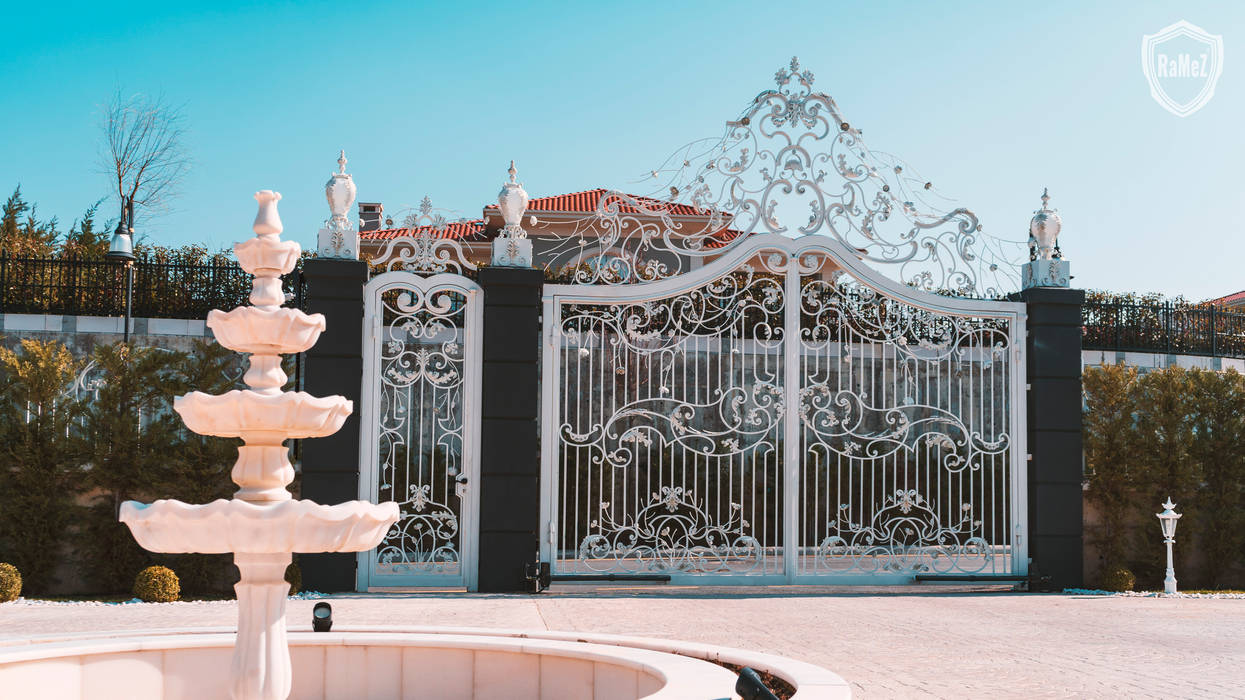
{"type": "Point", "coordinates": [905, 422]}
{"type": "Point", "coordinates": [424, 251]}
{"type": "Point", "coordinates": [792, 165]}
{"type": "Point", "coordinates": [420, 425]}
{"type": "Point", "coordinates": [668, 432]}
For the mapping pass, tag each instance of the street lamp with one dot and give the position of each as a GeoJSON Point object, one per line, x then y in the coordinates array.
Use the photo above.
{"type": "Point", "coordinates": [121, 250]}
{"type": "Point", "coordinates": [1167, 519]}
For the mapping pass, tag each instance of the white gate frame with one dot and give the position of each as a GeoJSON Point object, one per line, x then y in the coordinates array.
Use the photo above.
{"type": "Point", "coordinates": [1015, 312]}
{"type": "Point", "coordinates": [369, 458]}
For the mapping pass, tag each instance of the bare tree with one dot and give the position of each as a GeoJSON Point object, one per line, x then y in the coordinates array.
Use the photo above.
{"type": "Point", "coordinates": [143, 154]}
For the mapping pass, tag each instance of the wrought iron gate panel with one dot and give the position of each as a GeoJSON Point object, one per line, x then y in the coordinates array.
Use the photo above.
{"type": "Point", "coordinates": [666, 440]}
{"type": "Point", "coordinates": [668, 447]}
{"type": "Point", "coordinates": [906, 425]}
{"type": "Point", "coordinates": [420, 423]}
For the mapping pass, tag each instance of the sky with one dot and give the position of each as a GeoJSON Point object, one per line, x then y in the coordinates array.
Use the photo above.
{"type": "Point", "coordinates": [990, 101]}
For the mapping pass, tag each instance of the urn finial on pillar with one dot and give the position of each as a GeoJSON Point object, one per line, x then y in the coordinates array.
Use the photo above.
{"type": "Point", "coordinates": [339, 238]}
{"type": "Point", "coordinates": [1046, 266]}
{"type": "Point", "coordinates": [512, 248]}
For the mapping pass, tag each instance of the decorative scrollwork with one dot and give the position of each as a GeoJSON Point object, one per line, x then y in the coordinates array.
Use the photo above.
{"type": "Point", "coordinates": [425, 537]}
{"type": "Point", "coordinates": [425, 250]}
{"type": "Point", "coordinates": [906, 536]}
{"type": "Point", "coordinates": [671, 533]}
{"type": "Point", "coordinates": [789, 164]}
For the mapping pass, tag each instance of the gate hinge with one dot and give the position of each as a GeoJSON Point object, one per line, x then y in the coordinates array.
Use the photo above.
{"type": "Point", "coordinates": [553, 532]}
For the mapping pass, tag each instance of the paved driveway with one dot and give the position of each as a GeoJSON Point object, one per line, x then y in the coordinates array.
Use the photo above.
{"type": "Point", "coordinates": [948, 645]}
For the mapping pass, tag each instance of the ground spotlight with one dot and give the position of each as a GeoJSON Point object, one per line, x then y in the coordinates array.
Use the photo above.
{"type": "Point", "coordinates": [322, 617]}
{"type": "Point", "coordinates": [750, 687]}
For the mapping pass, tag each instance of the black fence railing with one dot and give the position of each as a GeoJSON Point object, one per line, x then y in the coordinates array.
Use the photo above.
{"type": "Point", "coordinates": [95, 287]}
{"type": "Point", "coordinates": [1163, 327]}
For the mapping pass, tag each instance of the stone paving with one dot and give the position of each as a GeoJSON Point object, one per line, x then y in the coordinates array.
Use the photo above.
{"type": "Point", "coordinates": [886, 644]}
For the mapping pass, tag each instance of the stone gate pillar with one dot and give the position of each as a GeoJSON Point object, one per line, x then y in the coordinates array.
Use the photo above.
{"type": "Point", "coordinates": [1054, 434]}
{"type": "Point", "coordinates": [510, 410]}
{"type": "Point", "coordinates": [1056, 525]}
{"type": "Point", "coordinates": [330, 465]}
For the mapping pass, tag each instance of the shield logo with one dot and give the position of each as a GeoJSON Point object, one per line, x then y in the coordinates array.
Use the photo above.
{"type": "Point", "coordinates": [1182, 63]}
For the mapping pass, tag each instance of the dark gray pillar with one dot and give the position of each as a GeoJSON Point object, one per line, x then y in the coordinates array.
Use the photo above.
{"type": "Point", "coordinates": [1056, 526]}
{"type": "Point", "coordinates": [509, 428]}
{"type": "Point", "coordinates": [333, 367]}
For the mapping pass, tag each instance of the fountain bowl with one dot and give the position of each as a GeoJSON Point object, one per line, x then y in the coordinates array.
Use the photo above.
{"type": "Point", "coordinates": [264, 331]}
{"type": "Point", "coordinates": [224, 526]}
{"type": "Point", "coordinates": [250, 414]}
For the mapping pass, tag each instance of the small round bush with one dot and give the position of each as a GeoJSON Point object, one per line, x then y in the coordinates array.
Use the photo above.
{"type": "Point", "coordinates": [157, 584]}
{"type": "Point", "coordinates": [294, 576]}
{"type": "Point", "coordinates": [1118, 579]}
{"type": "Point", "coordinates": [10, 583]}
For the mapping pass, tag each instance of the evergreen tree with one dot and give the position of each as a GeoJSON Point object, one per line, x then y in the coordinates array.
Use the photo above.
{"type": "Point", "coordinates": [84, 238]}
{"type": "Point", "coordinates": [39, 465]}
{"type": "Point", "coordinates": [1110, 452]}
{"type": "Point", "coordinates": [129, 433]}
{"type": "Point", "coordinates": [1219, 510]}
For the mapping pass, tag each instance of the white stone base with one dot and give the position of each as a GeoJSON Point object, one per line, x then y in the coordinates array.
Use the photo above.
{"type": "Point", "coordinates": [1045, 273]}
{"type": "Point", "coordinates": [512, 252]}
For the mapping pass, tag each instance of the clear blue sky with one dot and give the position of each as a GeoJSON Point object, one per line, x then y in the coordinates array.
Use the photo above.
{"type": "Point", "coordinates": [991, 101]}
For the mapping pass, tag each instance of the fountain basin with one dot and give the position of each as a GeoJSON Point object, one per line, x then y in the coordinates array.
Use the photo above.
{"type": "Point", "coordinates": [339, 665]}
{"type": "Point", "coordinates": [257, 417]}
{"type": "Point", "coordinates": [265, 331]}
{"type": "Point", "coordinates": [224, 526]}
{"type": "Point", "coordinates": [267, 254]}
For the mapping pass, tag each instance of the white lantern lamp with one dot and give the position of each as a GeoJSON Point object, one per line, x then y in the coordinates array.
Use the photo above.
{"type": "Point", "coordinates": [1167, 519]}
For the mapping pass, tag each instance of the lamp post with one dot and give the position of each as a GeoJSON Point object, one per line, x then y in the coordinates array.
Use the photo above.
{"type": "Point", "coordinates": [121, 250]}
{"type": "Point", "coordinates": [1167, 519]}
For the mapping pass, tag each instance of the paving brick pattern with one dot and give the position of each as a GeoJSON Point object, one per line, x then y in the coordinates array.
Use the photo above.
{"type": "Point", "coordinates": [928, 645]}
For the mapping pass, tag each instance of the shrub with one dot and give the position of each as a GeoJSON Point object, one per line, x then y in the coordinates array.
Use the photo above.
{"type": "Point", "coordinates": [1118, 579]}
{"type": "Point", "coordinates": [156, 584]}
{"type": "Point", "coordinates": [294, 576]}
{"type": "Point", "coordinates": [10, 583]}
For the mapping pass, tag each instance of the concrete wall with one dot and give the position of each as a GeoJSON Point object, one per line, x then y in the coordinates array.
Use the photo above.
{"type": "Point", "coordinates": [82, 333]}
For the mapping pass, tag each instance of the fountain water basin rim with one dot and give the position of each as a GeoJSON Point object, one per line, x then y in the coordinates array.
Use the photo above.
{"type": "Point", "coordinates": [224, 526]}
{"type": "Point", "coordinates": [267, 331]}
{"type": "Point", "coordinates": [265, 417]}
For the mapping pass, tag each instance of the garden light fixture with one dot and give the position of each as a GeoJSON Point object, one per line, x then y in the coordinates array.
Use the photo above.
{"type": "Point", "coordinates": [1167, 519]}
{"type": "Point", "coordinates": [121, 250]}
{"type": "Point", "coordinates": [322, 617]}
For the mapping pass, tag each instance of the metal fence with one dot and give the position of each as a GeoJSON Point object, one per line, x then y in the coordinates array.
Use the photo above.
{"type": "Point", "coordinates": [1164, 328]}
{"type": "Point", "coordinates": [96, 287]}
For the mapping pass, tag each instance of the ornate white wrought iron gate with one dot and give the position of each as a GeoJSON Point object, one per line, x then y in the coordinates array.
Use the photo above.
{"type": "Point", "coordinates": [420, 423]}
{"type": "Point", "coordinates": [782, 414]}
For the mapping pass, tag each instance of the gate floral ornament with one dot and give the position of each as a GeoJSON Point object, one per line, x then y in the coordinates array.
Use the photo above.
{"type": "Point", "coordinates": [907, 536]}
{"type": "Point", "coordinates": [671, 533]}
{"type": "Point", "coordinates": [790, 164]}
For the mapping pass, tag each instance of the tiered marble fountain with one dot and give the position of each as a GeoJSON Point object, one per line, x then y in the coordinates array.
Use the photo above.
{"type": "Point", "coordinates": [262, 525]}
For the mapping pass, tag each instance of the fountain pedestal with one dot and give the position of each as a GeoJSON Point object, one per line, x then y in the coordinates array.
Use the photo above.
{"type": "Point", "coordinates": [262, 525]}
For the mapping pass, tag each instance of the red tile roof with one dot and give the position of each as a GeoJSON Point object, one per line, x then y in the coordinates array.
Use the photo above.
{"type": "Point", "coordinates": [1230, 300]}
{"type": "Point", "coordinates": [587, 202]}
{"type": "Point", "coordinates": [455, 229]}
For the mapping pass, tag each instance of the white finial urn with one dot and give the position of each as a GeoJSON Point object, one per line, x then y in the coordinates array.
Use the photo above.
{"type": "Point", "coordinates": [1046, 268]}
{"type": "Point", "coordinates": [339, 238]}
{"type": "Point", "coordinates": [512, 248]}
{"type": "Point", "coordinates": [1044, 227]}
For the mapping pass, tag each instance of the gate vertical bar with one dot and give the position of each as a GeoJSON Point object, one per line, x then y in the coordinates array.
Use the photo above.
{"type": "Point", "coordinates": [792, 379]}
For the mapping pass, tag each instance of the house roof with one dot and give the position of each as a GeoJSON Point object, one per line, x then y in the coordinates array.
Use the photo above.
{"type": "Point", "coordinates": [455, 229]}
{"type": "Point", "coordinates": [1230, 300]}
{"type": "Point", "coordinates": [585, 202]}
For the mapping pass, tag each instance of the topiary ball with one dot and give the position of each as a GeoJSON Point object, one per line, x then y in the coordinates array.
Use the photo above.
{"type": "Point", "coordinates": [157, 584]}
{"type": "Point", "coordinates": [10, 583]}
{"type": "Point", "coordinates": [294, 576]}
{"type": "Point", "coordinates": [1118, 579]}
